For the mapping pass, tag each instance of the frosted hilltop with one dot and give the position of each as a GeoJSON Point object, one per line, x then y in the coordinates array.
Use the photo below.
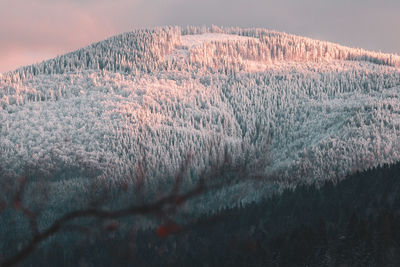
{"type": "Point", "coordinates": [323, 110]}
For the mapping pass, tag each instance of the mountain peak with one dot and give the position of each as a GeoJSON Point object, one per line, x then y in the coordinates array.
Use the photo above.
{"type": "Point", "coordinates": [220, 49]}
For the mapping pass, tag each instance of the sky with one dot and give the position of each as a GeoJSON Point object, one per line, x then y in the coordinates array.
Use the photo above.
{"type": "Point", "coordinates": [34, 30]}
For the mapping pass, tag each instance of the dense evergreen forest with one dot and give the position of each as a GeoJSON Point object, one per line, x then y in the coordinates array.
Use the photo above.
{"type": "Point", "coordinates": [127, 112]}
{"type": "Point", "coordinates": [352, 222]}
{"type": "Point", "coordinates": [321, 109]}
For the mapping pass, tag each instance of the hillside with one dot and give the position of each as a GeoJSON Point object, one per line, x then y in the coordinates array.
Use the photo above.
{"type": "Point", "coordinates": [309, 110]}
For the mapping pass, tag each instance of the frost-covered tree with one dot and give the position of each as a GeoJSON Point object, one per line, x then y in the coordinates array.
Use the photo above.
{"type": "Point", "coordinates": [323, 109]}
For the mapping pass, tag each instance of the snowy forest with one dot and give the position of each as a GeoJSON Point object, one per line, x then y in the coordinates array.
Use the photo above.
{"type": "Point", "coordinates": [292, 110]}
{"type": "Point", "coordinates": [323, 110]}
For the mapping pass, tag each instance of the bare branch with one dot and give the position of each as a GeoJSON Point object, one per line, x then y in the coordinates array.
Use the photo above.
{"type": "Point", "coordinates": [100, 214]}
{"type": "Point", "coordinates": [217, 177]}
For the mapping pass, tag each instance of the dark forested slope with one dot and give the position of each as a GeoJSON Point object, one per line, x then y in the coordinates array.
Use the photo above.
{"type": "Point", "coordinates": [355, 222]}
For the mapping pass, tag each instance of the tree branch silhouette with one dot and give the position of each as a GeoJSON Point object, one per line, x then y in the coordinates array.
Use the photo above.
{"type": "Point", "coordinates": [208, 181]}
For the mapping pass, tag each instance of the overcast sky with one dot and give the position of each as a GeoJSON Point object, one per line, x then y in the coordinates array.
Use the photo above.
{"type": "Point", "coordinates": [34, 30]}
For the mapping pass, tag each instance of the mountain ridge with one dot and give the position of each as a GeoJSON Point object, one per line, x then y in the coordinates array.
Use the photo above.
{"type": "Point", "coordinates": [144, 38]}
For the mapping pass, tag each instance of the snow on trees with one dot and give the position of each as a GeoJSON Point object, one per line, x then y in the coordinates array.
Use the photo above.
{"type": "Point", "coordinates": [326, 109]}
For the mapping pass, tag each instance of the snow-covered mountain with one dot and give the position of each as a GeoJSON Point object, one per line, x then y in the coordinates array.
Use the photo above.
{"type": "Point", "coordinates": [318, 109]}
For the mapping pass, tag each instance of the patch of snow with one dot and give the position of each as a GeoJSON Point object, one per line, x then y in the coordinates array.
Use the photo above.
{"type": "Point", "coordinates": [200, 39]}
{"type": "Point", "coordinates": [189, 42]}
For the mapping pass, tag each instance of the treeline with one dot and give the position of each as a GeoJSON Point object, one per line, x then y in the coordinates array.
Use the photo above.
{"type": "Point", "coordinates": [353, 222]}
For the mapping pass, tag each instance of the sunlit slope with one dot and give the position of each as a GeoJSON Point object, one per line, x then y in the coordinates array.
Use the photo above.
{"type": "Point", "coordinates": [321, 109]}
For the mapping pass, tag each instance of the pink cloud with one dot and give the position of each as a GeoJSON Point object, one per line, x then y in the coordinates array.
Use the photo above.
{"type": "Point", "coordinates": [34, 30]}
